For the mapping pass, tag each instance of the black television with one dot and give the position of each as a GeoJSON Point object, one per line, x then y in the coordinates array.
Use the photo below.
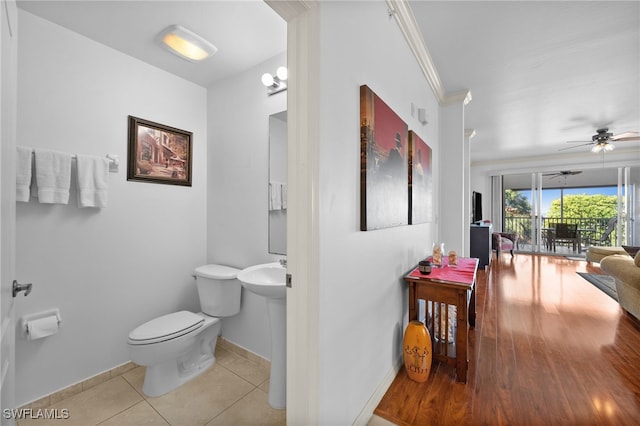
{"type": "Point", "coordinates": [476, 207]}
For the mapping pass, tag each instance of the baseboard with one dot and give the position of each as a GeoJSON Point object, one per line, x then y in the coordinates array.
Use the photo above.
{"type": "Point", "coordinates": [243, 352]}
{"type": "Point", "coordinates": [80, 386]}
{"type": "Point", "coordinates": [367, 412]}
{"type": "Point", "coordinates": [119, 370]}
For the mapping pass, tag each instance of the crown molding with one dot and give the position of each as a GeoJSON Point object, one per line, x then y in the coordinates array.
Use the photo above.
{"type": "Point", "coordinates": [463, 97]}
{"type": "Point", "coordinates": [290, 9]}
{"type": "Point", "coordinates": [401, 11]}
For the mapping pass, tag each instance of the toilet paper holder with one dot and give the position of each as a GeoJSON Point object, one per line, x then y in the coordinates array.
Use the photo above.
{"type": "Point", "coordinates": [39, 315]}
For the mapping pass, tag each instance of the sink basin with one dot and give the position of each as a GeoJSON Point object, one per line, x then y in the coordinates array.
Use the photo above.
{"type": "Point", "coordinates": [267, 279]}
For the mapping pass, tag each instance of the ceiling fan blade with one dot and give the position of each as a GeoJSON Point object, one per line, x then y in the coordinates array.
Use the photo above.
{"type": "Point", "coordinates": [626, 136]}
{"type": "Point", "coordinates": [631, 138]}
{"type": "Point", "coordinates": [580, 142]}
{"type": "Point", "coordinates": [575, 146]}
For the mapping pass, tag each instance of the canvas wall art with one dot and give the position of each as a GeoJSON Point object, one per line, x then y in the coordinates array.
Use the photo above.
{"type": "Point", "coordinates": [383, 164]}
{"type": "Point", "coordinates": [420, 180]}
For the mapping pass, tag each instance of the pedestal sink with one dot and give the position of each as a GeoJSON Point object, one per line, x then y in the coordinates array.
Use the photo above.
{"type": "Point", "coordinates": [268, 280]}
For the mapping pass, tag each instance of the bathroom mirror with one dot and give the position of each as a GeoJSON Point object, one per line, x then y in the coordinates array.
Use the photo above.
{"type": "Point", "coordinates": [278, 183]}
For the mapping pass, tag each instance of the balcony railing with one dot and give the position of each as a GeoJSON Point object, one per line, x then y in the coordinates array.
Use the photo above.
{"type": "Point", "coordinates": [592, 229]}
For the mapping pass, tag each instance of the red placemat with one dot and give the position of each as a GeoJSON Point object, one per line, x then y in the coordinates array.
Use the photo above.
{"type": "Point", "coordinates": [464, 273]}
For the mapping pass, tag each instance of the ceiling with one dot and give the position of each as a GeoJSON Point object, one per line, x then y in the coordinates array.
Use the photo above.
{"type": "Point", "coordinates": [246, 32]}
{"type": "Point", "coordinates": [541, 73]}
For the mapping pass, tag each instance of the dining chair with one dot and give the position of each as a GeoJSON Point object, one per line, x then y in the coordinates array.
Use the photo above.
{"type": "Point", "coordinates": [566, 233]}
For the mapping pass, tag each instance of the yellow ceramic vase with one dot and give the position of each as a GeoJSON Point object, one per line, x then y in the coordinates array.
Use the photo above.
{"type": "Point", "coordinates": [417, 351]}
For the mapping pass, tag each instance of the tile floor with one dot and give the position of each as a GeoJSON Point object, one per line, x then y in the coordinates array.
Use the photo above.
{"type": "Point", "coordinates": [232, 392]}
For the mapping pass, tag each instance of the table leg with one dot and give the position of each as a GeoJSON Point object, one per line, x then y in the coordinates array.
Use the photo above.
{"type": "Point", "coordinates": [413, 302]}
{"type": "Point", "coordinates": [462, 331]}
{"type": "Point", "coordinates": [472, 308]}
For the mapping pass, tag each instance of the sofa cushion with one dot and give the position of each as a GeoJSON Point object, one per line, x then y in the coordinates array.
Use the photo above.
{"type": "Point", "coordinates": [506, 244]}
{"type": "Point", "coordinates": [622, 267]}
{"type": "Point", "coordinates": [636, 259]}
{"type": "Point", "coordinates": [606, 250]}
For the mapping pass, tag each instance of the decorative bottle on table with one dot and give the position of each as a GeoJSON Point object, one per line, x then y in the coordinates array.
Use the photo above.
{"type": "Point", "coordinates": [438, 252]}
{"type": "Point", "coordinates": [417, 351]}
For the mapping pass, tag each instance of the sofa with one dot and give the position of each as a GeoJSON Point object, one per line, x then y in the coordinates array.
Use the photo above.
{"type": "Point", "coordinates": [503, 241]}
{"type": "Point", "coordinates": [597, 253]}
{"type": "Point", "coordinates": [626, 271]}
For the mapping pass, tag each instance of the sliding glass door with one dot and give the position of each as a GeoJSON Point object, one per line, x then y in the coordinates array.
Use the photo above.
{"type": "Point", "coordinates": [564, 212]}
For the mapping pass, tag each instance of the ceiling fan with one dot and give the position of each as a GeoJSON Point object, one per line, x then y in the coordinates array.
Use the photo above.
{"type": "Point", "coordinates": [563, 173]}
{"type": "Point", "coordinates": [601, 141]}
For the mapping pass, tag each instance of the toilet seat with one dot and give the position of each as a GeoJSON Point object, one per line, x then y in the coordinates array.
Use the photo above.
{"type": "Point", "coordinates": [165, 328]}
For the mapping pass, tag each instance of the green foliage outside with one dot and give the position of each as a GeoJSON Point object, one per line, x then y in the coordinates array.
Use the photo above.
{"type": "Point", "coordinates": [585, 206]}
{"type": "Point", "coordinates": [577, 207]}
{"type": "Point", "coordinates": [516, 204]}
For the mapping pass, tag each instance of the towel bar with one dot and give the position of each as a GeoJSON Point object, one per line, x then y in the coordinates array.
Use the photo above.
{"type": "Point", "coordinates": [114, 161]}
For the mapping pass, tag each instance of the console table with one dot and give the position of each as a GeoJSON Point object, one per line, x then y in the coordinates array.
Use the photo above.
{"type": "Point", "coordinates": [448, 285]}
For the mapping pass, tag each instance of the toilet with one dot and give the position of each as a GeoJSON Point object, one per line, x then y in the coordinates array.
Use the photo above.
{"type": "Point", "coordinates": [179, 346]}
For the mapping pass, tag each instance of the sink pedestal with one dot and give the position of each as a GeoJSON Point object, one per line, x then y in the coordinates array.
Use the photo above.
{"type": "Point", "coordinates": [277, 309]}
{"type": "Point", "coordinates": [268, 280]}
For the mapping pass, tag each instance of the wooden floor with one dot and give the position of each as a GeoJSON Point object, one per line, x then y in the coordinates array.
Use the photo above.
{"type": "Point", "coordinates": [548, 349]}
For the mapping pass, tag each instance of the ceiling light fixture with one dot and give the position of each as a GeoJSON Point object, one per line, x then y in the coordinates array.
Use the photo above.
{"type": "Point", "coordinates": [186, 44]}
{"type": "Point", "coordinates": [277, 83]}
{"type": "Point", "coordinates": [602, 146]}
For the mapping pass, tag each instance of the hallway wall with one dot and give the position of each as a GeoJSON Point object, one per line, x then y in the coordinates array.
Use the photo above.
{"type": "Point", "coordinates": [363, 298]}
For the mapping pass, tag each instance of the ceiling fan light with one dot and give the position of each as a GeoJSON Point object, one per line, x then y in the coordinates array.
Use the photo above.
{"type": "Point", "coordinates": [608, 147]}
{"type": "Point", "coordinates": [186, 44]}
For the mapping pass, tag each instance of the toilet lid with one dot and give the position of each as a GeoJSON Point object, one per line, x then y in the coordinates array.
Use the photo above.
{"type": "Point", "coordinates": [165, 327]}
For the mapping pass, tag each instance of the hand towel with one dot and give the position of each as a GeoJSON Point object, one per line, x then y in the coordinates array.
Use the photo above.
{"type": "Point", "coordinates": [23, 173]}
{"type": "Point", "coordinates": [93, 181]}
{"type": "Point", "coordinates": [284, 196]}
{"type": "Point", "coordinates": [275, 195]}
{"type": "Point", "coordinates": [53, 176]}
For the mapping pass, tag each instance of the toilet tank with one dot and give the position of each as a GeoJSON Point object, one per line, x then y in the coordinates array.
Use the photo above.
{"type": "Point", "coordinates": [218, 289]}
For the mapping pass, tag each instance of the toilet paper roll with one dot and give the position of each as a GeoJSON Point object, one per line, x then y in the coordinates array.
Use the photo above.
{"type": "Point", "coordinates": [42, 327]}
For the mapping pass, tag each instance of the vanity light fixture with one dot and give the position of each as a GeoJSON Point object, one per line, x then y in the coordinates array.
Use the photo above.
{"type": "Point", "coordinates": [186, 44]}
{"type": "Point", "coordinates": [277, 83]}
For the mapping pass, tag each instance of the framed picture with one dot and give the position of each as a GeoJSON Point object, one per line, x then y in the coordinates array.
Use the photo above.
{"type": "Point", "coordinates": [420, 180]}
{"type": "Point", "coordinates": [383, 164]}
{"type": "Point", "coordinates": [158, 153]}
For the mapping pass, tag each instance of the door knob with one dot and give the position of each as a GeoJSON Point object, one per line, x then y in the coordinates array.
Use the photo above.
{"type": "Point", "coordinates": [17, 288]}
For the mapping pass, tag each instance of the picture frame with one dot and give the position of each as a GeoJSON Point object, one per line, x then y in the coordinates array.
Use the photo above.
{"type": "Point", "coordinates": [420, 180]}
{"type": "Point", "coordinates": [384, 176]}
{"type": "Point", "coordinates": [158, 153]}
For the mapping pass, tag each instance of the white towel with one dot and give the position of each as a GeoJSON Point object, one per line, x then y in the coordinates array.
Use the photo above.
{"type": "Point", "coordinates": [93, 181]}
{"type": "Point", "coordinates": [275, 195]}
{"type": "Point", "coordinates": [53, 176]}
{"type": "Point", "coordinates": [23, 173]}
{"type": "Point", "coordinates": [284, 196]}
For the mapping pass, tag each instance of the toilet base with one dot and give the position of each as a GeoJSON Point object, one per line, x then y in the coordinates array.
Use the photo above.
{"type": "Point", "coordinates": [172, 363]}
{"type": "Point", "coordinates": [167, 376]}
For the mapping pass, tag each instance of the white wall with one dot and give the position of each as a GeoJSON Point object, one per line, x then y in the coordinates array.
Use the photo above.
{"type": "Point", "coordinates": [363, 299]}
{"type": "Point", "coordinates": [238, 176]}
{"type": "Point", "coordinates": [107, 270]}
